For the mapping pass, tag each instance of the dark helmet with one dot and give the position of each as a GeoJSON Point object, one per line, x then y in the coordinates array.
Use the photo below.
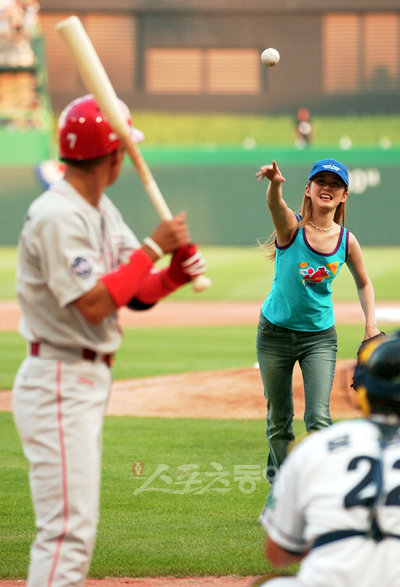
{"type": "Point", "coordinates": [377, 376]}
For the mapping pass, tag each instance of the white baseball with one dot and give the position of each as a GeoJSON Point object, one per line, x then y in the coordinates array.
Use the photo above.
{"type": "Point", "coordinates": [270, 57]}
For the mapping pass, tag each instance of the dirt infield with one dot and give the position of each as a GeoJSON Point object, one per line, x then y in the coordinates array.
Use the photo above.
{"type": "Point", "coordinates": [228, 581]}
{"type": "Point", "coordinates": [233, 393]}
{"type": "Point", "coordinates": [203, 313]}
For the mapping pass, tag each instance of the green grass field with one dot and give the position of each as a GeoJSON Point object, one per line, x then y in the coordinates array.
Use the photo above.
{"type": "Point", "coordinates": [195, 349]}
{"type": "Point", "coordinates": [194, 511]}
{"type": "Point", "coordinates": [234, 129]}
{"type": "Point", "coordinates": [178, 350]}
{"type": "Point", "coordinates": [225, 264]}
{"type": "Point", "coordinates": [171, 521]}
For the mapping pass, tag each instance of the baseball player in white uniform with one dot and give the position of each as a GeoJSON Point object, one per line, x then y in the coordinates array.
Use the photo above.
{"type": "Point", "coordinates": [78, 263]}
{"type": "Point", "coordinates": [336, 503]}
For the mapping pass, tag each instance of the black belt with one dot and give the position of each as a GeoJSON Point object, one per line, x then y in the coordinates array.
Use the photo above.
{"type": "Point", "coordinates": [85, 354]}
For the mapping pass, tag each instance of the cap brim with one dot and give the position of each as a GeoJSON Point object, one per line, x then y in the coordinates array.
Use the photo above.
{"type": "Point", "coordinates": [328, 171]}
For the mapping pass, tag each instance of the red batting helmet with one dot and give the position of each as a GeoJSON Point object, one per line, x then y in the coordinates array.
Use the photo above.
{"type": "Point", "coordinates": [84, 132]}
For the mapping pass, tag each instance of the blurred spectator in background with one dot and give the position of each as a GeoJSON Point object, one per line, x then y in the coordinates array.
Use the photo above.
{"type": "Point", "coordinates": [303, 128]}
{"type": "Point", "coordinates": [20, 104]}
{"type": "Point", "coordinates": [18, 25]}
{"type": "Point", "coordinates": [31, 21]}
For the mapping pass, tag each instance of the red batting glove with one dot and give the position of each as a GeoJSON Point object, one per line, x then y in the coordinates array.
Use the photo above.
{"type": "Point", "coordinates": [186, 264]}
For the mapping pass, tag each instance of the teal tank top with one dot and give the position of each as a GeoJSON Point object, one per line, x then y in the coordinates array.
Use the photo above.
{"type": "Point", "coordinates": [301, 293]}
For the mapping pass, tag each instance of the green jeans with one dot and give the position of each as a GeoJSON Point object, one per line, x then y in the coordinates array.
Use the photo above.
{"type": "Point", "coordinates": [278, 349]}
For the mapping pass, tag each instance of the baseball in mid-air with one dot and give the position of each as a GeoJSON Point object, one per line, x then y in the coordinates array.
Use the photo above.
{"type": "Point", "coordinates": [270, 57]}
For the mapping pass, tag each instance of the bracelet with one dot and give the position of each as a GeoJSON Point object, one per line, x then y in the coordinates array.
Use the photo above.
{"type": "Point", "coordinates": [153, 246]}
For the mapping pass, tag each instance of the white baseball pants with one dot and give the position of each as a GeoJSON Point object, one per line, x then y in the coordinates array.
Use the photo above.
{"type": "Point", "coordinates": [59, 411]}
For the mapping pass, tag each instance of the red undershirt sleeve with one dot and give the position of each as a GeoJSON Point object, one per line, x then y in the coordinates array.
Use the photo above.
{"type": "Point", "coordinates": [124, 283]}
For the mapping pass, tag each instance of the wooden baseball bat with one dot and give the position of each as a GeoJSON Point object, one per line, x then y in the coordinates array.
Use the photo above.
{"type": "Point", "coordinates": [98, 83]}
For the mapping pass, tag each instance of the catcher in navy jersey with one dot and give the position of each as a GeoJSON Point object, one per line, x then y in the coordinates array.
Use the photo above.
{"type": "Point", "coordinates": [336, 502]}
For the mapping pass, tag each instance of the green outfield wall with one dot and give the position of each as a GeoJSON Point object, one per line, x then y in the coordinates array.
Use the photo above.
{"type": "Point", "coordinates": [225, 204]}
{"type": "Point", "coordinates": [22, 149]}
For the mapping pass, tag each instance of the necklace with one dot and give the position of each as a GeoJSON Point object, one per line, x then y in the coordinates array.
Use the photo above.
{"type": "Point", "coordinates": [319, 228]}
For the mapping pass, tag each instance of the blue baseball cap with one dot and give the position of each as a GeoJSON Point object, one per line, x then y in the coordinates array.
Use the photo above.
{"type": "Point", "coordinates": [332, 166]}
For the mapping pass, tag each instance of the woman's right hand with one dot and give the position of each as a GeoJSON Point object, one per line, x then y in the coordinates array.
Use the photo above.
{"type": "Point", "coordinates": [271, 172]}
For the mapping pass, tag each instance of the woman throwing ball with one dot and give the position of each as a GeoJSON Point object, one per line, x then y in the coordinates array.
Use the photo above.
{"type": "Point", "coordinates": [297, 318]}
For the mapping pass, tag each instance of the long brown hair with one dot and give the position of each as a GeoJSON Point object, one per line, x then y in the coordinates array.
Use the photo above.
{"type": "Point", "coordinates": [305, 213]}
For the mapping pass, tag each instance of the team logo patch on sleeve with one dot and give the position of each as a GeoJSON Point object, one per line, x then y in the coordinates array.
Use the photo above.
{"type": "Point", "coordinates": [81, 267]}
